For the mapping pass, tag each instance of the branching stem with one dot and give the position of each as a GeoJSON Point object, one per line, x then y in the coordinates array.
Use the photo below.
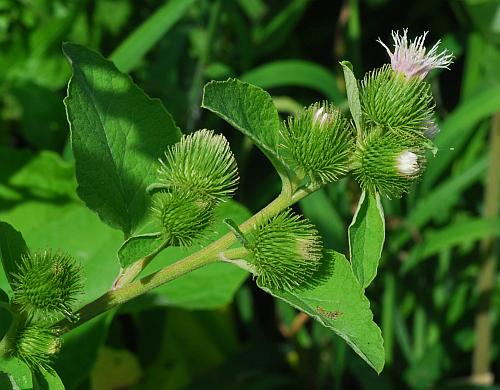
{"type": "Point", "coordinates": [209, 254]}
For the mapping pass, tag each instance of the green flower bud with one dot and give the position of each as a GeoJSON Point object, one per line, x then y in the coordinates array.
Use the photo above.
{"type": "Point", "coordinates": [388, 163]}
{"type": "Point", "coordinates": [183, 216]}
{"type": "Point", "coordinates": [36, 345]}
{"type": "Point", "coordinates": [46, 285]}
{"type": "Point", "coordinates": [200, 163]}
{"type": "Point", "coordinates": [396, 102]}
{"type": "Point", "coordinates": [286, 251]}
{"type": "Point", "coordinates": [317, 143]}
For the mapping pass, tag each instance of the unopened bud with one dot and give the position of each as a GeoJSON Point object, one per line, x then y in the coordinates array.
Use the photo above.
{"type": "Point", "coordinates": [286, 252]}
{"type": "Point", "coordinates": [183, 216]}
{"type": "Point", "coordinates": [201, 164]}
{"type": "Point", "coordinates": [46, 285]}
{"type": "Point", "coordinates": [387, 163]}
{"type": "Point", "coordinates": [36, 345]}
{"type": "Point", "coordinates": [317, 143]}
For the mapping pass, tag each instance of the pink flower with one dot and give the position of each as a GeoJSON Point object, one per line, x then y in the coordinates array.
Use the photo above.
{"type": "Point", "coordinates": [412, 58]}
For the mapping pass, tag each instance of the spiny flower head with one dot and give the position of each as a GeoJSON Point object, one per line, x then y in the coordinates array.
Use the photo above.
{"type": "Point", "coordinates": [200, 163]}
{"type": "Point", "coordinates": [36, 345]}
{"type": "Point", "coordinates": [390, 100]}
{"type": "Point", "coordinates": [183, 216]}
{"type": "Point", "coordinates": [317, 143]}
{"type": "Point", "coordinates": [388, 163]}
{"type": "Point", "coordinates": [412, 59]}
{"type": "Point", "coordinates": [286, 251]}
{"type": "Point", "coordinates": [46, 285]}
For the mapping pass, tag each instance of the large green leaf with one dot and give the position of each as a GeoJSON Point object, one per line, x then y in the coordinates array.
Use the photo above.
{"type": "Point", "coordinates": [338, 302]}
{"type": "Point", "coordinates": [366, 238]}
{"type": "Point", "coordinates": [296, 73]}
{"type": "Point", "coordinates": [14, 375]}
{"type": "Point", "coordinates": [208, 287]}
{"type": "Point", "coordinates": [249, 109]}
{"type": "Point", "coordinates": [141, 40]}
{"type": "Point", "coordinates": [12, 247]}
{"type": "Point", "coordinates": [117, 135]}
{"type": "Point", "coordinates": [44, 380]}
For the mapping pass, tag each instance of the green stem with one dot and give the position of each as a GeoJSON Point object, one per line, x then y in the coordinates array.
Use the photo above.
{"type": "Point", "coordinates": [234, 254]}
{"type": "Point", "coordinates": [481, 370]}
{"type": "Point", "coordinates": [210, 254]}
{"type": "Point", "coordinates": [128, 274]}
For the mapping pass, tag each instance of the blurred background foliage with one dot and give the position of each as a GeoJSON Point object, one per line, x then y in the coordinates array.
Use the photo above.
{"type": "Point", "coordinates": [425, 297]}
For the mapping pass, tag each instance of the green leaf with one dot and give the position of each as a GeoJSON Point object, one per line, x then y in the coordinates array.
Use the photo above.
{"type": "Point", "coordinates": [338, 302]}
{"type": "Point", "coordinates": [137, 247]}
{"type": "Point", "coordinates": [351, 85]}
{"type": "Point", "coordinates": [44, 380]}
{"type": "Point", "coordinates": [117, 135]}
{"type": "Point", "coordinates": [14, 374]}
{"type": "Point", "coordinates": [366, 238]}
{"type": "Point", "coordinates": [208, 287]}
{"type": "Point", "coordinates": [295, 73]}
{"type": "Point", "coordinates": [25, 176]}
{"type": "Point", "coordinates": [12, 247]}
{"type": "Point", "coordinates": [142, 39]}
{"type": "Point", "coordinates": [249, 109]}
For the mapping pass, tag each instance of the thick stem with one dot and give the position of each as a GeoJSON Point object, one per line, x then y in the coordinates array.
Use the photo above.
{"type": "Point", "coordinates": [481, 373]}
{"type": "Point", "coordinates": [121, 295]}
{"type": "Point", "coordinates": [207, 255]}
{"type": "Point", "coordinates": [128, 274]}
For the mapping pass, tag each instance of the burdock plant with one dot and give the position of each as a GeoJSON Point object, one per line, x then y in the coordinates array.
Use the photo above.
{"type": "Point", "coordinates": [164, 189]}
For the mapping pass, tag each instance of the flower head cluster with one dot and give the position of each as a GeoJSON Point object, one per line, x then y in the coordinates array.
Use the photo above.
{"type": "Point", "coordinates": [197, 173]}
{"type": "Point", "coordinates": [412, 58]}
{"type": "Point", "coordinates": [317, 143]}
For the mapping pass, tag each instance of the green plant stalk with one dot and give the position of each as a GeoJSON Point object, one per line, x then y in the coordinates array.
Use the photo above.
{"type": "Point", "coordinates": [210, 254]}
{"type": "Point", "coordinates": [128, 274]}
{"type": "Point", "coordinates": [481, 361]}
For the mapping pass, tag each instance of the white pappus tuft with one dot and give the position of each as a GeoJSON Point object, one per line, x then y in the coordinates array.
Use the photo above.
{"type": "Point", "coordinates": [407, 163]}
{"type": "Point", "coordinates": [321, 116]}
{"type": "Point", "coordinates": [412, 58]}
